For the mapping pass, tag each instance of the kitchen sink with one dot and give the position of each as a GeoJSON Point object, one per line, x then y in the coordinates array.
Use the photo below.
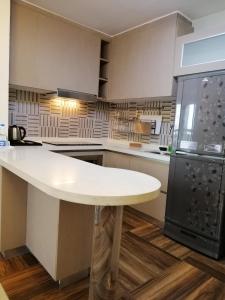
{"type": "Point", "coordinates": [153, 152]}
{"type": "Point", "coordinates": [157, 152]}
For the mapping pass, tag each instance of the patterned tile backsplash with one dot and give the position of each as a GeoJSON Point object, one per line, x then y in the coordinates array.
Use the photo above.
{"type": "Point", "coordinates": [54, 118]}
{"type": "Point", "coordinates": [46, 117]}
{"type": "Point", "coordinates": [122, 115]}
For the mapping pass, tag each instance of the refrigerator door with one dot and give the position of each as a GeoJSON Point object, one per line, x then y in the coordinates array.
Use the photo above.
{"type": "Point", "coordinates": [201, 108]}
{"type": "Point", "coordinates": [195, 197]}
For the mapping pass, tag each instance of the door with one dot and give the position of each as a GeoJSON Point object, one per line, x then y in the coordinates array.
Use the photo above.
{"type": "Point", "coordinates": [202, 116]}
{"type": "Point", "coordinates": [195, 199]}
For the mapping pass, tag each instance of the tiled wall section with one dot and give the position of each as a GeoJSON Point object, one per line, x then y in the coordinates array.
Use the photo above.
{"type": "Point", "coordinates": [48, 118]}
{"type": "Point", "coordinates": [122, 116]}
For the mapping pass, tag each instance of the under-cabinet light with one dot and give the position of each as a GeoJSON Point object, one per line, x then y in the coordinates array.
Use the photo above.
{"type": "Point", "coordinates": [65, 102]}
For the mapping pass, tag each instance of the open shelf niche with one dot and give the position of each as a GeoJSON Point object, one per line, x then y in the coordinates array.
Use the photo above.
{"type": "Point", "coordinates": [103, 70]}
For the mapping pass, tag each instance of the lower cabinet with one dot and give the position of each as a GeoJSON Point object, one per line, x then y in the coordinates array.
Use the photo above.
{"type": "Point", "coordinates": [64, 253]}
{"type": "Point", "coordinates": [116, 160]}
{"type": "Point", "coordinates": [154, 208]}
{"type": "Point", "coordinates": [13, 212]}
{"type": "Point", "coordinates": [156, 169]}
{"type": "Point", "coordinates": [43, 224]}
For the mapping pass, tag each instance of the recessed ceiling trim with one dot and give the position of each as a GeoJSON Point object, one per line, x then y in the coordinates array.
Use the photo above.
{"type": "Point", "coordinates": [99, 31]}
{"type": "Point", "coordinates": [65, 18]}
{"type": "Point", "coordinates": [151, 21]}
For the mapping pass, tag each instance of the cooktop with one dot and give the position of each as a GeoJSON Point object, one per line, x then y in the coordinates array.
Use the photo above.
{"type": "Point", "coordinates": [24, 143]}
{"type": "Point", "coordinates": [72, 143]}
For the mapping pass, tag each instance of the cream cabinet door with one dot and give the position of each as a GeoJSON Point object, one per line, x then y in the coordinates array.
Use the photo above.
{"type": "Point", "coordinates": [155, 208]}
{"type": "Point", "coordinates": [49, 53]}
{"type": "Point", "coordinates": [116, 160]}
{"type": "Point", "coordinates": [68, 56]}
{"type": "Point", "coordinates": [23, 46]}
{"type": "Point", "coordinates": [153, 168]}
{"type": "Point", "coordinates": [142, 61]}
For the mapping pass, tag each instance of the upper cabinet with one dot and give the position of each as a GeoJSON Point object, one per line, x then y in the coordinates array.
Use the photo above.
{"type": "Point", "coordinates": [200, 52]}
{"type": "Point", "coordinates": [142, 60]}
{"type": "Point", "coordinates": [48, 52]}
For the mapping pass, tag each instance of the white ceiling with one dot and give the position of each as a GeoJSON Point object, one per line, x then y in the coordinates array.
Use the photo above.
{"type": "Point", "coordinates": [115, 16]}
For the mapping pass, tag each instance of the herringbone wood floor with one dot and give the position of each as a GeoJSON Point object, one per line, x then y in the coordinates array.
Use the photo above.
{"type": "Point", "coordinates": [152, 266]}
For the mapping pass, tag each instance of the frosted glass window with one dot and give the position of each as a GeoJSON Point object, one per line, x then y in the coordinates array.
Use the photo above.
{"type": "Point", "coordinates": [204, 51]}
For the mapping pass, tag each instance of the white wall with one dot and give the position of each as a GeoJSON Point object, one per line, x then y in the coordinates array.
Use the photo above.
{"type": "Point", "coordinates": [4, 59]}
{"type": "Point", "coordinates": [210, 21]}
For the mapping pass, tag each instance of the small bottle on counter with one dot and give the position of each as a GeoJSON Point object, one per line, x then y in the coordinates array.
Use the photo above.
{"type": "Point", "coordinates": [3, 137]}
{"type": "Point", "coordinates": [170, 149]}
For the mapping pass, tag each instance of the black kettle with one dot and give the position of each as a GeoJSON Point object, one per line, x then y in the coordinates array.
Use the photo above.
{"type": "Point", "coordinates": [16, 133]}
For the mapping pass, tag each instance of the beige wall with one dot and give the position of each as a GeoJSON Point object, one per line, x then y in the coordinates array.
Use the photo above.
{"type": "Point", "coordinates": [4, 59]}
{"type": "Point", "coordinates": [211, 21]}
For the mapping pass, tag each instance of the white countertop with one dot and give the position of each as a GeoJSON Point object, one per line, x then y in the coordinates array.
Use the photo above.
{"type": "Point", "coordinates": [107, 144]}
{"type": "Point", "coordinates": [139, 153]}
{"type": "Point", "coordinates": [76, 181]}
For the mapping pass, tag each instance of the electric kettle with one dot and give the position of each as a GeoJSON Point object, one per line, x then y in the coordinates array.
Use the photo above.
{"type": "Point", "coordinates": [16, 133]}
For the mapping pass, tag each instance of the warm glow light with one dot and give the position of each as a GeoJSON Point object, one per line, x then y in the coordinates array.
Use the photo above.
{"type": "Point", "coordinates": [72, 104]}
{"type": "Point", "coordinates": [66, 102]}
{"type": "Point", "coordinates": [59, 101]}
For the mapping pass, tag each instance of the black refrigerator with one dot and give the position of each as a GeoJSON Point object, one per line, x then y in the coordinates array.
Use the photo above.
{"type": "Point", "coordinates": [195, 201]}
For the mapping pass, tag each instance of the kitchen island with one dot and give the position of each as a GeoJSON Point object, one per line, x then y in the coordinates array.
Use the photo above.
{"type": "Point", "coordinates": [61, 207]}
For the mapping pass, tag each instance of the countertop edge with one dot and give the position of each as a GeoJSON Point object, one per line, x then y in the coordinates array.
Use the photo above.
{"type": "Point", "coordinates": [88, 199]}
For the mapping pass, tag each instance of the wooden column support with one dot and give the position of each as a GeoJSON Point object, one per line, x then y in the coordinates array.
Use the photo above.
{"type": "Point", "coordinates": [105, 253]}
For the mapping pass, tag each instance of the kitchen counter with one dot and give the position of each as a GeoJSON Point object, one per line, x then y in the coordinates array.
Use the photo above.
{"type": "Point", "coordinates": [77, 181]}
{"type": "Point", "coordinates": [139, 153]}
{"type": "Point", "coordinates": [107, 144]}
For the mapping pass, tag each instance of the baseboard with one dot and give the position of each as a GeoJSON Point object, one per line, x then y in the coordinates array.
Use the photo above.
{"type": "Point", "coordinates": [74, 278]}
{"type": "Point", "coordinates": [15, 252]}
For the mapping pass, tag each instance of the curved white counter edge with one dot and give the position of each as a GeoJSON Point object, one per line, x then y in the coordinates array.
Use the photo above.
{"type": "Point", "coordinates": [76, 181]}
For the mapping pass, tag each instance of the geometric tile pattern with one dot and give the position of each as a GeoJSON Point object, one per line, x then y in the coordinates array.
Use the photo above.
{"type": "Point", "coordinates": [50, 118]}
{"type": "Point", "coordinates": [122, 116]}
{"type": "Point", "coordinates": [46, 117]}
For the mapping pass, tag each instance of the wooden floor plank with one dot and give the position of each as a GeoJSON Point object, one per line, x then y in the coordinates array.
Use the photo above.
{"type": "Point", "coordinates": [14, 264]}
{"type": "Point", "coordinates": [75, 291]}
{"type": "Point", "coordinates": [132, 221]}
{"type": "Point", "coordinates": [209, 265]}
{"type": "Point", "coordinates": [27, 283]}
{"type": "Point", "coordinates": [152, 266]}
{"type": "Point", "coordinates": [212, 289]}
{"type": "Point", "coordinates": [142, 217]}
{"type": "Point", "coordinates": [151, 256]}
{"type": "Point", "coordinates": [147, 232]}
{"type": "Point", "coordinates": [183, 281]}
{"type": "Point", "coordinates": [171, 247]}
